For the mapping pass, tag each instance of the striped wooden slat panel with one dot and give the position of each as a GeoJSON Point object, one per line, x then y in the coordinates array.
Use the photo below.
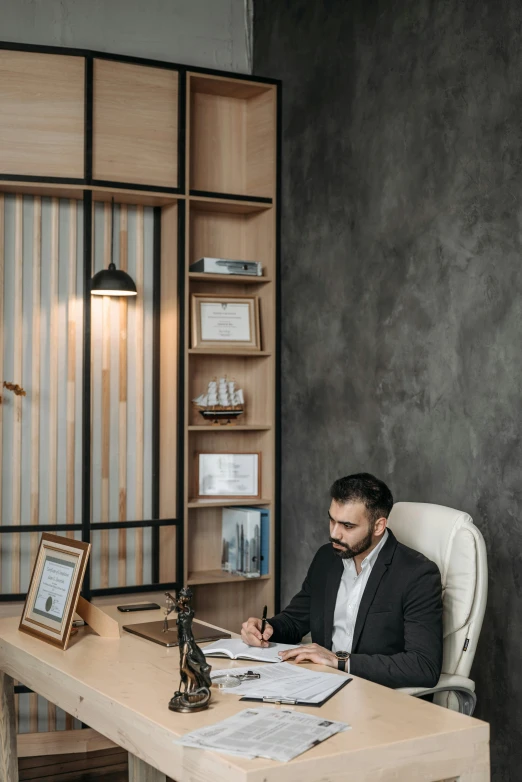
{"type": "Point", "coordinates": [33, 713]}
{"type": "Point", "coordinates": [122, 402]}
{"type": "Point", "coordinates": [71, 382]}
{"type": "Point", "coordinates": [16, 453]}
{"type": "Point", "coordinates": [106, 407]}
{"type": "Point", "coordinates": [71, 367]}
{"type": "Point", "coordinates": [53, 365]}
{"type": "Point", "coordinates": [35, 400]}
{"type": "Point", "coordinates": [138, 511]}
{"type": "Point", "coordinates": [34, 352]}
{"type": "Point", "coordinates": [53, 392]}
{"type": "Point", "coordinates": [122, 423]}
{"type": "Point", "coordinates": [2, 256]}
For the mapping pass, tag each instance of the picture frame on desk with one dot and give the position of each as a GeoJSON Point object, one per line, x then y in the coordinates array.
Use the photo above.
{"type": "Point", "coordinates": [54, 589]}
{"type": "Point", "coordinates": [225, 322]}
{"type": "Point", "coordinates": [228, 476]}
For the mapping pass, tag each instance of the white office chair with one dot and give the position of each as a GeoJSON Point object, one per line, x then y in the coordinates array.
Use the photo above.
{"type": "Point", "coordinates": [450, 539]}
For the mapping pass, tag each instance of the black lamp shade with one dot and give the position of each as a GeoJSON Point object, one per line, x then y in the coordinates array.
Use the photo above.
{"type": "Point", "coordinates": [113, 282]}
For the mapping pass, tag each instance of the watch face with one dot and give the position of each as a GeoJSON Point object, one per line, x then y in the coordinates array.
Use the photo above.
{"type": "Point", "coordinates": [342, 655]}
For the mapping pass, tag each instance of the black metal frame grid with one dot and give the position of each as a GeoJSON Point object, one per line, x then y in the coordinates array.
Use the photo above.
{"type": "Point", "coordinates": [87, 527]}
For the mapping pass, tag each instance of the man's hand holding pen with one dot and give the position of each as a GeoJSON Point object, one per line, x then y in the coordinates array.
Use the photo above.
{"type": "Point", "coordinates": [251, 632]}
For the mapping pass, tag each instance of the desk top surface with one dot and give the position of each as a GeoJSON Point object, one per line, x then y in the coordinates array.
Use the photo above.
{"type": "Point", "coordinates": [121, 688]}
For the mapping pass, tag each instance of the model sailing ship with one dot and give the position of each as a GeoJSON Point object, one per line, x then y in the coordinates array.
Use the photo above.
{"type": "Point", "coordinates": [223, 402]}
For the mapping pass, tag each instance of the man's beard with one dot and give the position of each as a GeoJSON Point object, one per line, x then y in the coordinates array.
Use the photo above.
{"type": "Point", "coordinates": [348, 552]}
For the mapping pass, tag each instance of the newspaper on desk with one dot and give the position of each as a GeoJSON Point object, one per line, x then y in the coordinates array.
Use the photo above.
{"type": "Point", "coordinates": [278, 734]}
{"type": "Point", "coordinates": [284, 682]}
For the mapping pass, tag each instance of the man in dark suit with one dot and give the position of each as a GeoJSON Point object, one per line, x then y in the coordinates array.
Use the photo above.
{"type": "Point", "coordinates": [373, 606]}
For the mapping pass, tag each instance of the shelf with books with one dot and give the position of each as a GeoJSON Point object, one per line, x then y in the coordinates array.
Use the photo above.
{"type": "Point", "coordinates": [232, 543]}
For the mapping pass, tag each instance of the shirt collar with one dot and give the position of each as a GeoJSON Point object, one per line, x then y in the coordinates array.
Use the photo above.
{"type": "Point", "coordinates": [369, 561]}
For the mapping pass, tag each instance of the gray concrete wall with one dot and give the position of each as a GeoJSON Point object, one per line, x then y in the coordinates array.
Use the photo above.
{"type": "Point", "coordinates": [207, 33]}
{"type": "Point", "coordinates": [402, 281]}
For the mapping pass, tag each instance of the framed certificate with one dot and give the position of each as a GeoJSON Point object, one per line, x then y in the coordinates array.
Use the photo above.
{"type": "Point", "coordinates": [225, 321]}
{"type": "Point", "coordinates": [232, 475]}
{"type": "Point", "coordinates": [54, 589]}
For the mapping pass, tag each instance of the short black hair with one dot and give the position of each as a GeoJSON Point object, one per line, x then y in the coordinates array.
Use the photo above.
{"type": "Point", "coordinates": [366, 488]}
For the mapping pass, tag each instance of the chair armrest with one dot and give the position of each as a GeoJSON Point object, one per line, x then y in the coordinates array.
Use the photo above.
{"type": "Point", "coordinates": [463, 688]}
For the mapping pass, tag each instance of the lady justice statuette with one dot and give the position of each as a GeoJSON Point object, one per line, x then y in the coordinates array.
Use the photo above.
{"type": "Point", "coordinates": [194, 688]}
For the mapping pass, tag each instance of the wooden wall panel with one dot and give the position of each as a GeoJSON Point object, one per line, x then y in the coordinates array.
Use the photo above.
{"type": "Point", "coordinates": [2, 332]}
{"type": "Point", "coordinates": [168, 396]}
{"type": "Point", "coordinates": [135, 136]}
{"type": "Point", "coordinates": [16, 450]}
{"type": "Point", "coordinates": [38, 352]}
{"type": "Point", "coordinates": [72, 332]}
{"type": "Point", "coordinates": [139, 380]}
{"type": "Point", "coordinates": [121, 400]}
{"type": "Point", "coordinates": [41, 114]}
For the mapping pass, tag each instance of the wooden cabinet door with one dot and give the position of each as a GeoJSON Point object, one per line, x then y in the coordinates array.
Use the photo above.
{"type": "Point", "coordinates": [135, 124]}
{"type": "Point", "coordinates": [41, 114]}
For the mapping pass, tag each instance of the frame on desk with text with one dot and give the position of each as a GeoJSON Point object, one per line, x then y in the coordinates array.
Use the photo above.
{"type": "Point", "coordinates": [54, 589]}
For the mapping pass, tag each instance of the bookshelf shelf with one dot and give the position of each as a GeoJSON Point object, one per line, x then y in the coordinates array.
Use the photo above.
{"type": "Point", "coordinates": [217, 352]}
{"type": "Point", "coordinates": [241, 279]}
{"type": "Point", "coordinates": [217, 204]}
{"type": "Point", "coordinates": [220, 577]}
{"type": "Point", "coordinates": [225, 503]}
{"type": "Point", "coordinates": [231, 428]}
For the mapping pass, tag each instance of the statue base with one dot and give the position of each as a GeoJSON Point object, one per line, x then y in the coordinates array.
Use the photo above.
{"type": "Point", "coordinates": [190, 702]}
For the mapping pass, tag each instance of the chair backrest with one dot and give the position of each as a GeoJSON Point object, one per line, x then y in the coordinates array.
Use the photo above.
{"type": "Point", "coordinates": [450, 539]}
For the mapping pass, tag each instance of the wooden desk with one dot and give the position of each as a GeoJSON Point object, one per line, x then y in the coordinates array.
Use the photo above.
{"type": "Point", "coordinates": [121, 688]}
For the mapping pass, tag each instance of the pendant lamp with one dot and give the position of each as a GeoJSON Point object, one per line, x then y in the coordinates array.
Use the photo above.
{"type": "Point", "coordinates": [112, 281]}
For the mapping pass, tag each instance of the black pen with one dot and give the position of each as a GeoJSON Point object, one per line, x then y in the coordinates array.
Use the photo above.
{"type": "Point", "coordinates": [263, 621]}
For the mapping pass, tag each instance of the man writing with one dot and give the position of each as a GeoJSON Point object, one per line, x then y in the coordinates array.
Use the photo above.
{"type": "Point", "coordinates": [372, 605]}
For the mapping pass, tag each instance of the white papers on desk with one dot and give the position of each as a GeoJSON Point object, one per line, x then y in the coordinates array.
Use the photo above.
{"type": "Point", "coordinates": [286, 682]}
{"type": "Point", "coordinates": [266, 733]}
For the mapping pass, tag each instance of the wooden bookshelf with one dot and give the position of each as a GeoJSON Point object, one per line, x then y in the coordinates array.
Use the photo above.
{"type": "Point", "coordinates": [232, 150]}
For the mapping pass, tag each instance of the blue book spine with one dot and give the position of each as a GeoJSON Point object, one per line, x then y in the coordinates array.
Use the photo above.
{"type": "Point", "coordinates": [265, 541]}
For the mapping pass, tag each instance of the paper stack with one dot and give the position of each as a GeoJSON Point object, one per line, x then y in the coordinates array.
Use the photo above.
{"type": "Point", "coordinates": [264, 733]}
{"type": "Point", "coordinates": [285, 683]}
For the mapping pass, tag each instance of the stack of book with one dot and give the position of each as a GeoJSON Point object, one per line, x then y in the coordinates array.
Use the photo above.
{"type": "Point", "coordinates": [245, 541]}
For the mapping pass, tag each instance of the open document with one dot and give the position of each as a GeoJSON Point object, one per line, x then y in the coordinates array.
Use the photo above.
{"type": "Point", "coordinates": [286, 683]}
{"type": "Point", "coordinates": [265, 733]}
{"type": "Point", "coordinates": [237, 650]}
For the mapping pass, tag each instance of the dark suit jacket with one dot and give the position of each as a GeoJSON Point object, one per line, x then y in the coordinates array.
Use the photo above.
{"type": "Point", "coordinates": [397, 640]}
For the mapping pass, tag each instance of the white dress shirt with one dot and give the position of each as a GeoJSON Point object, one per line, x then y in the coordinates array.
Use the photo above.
{"type": "Point", "coordinates": [349, 596]}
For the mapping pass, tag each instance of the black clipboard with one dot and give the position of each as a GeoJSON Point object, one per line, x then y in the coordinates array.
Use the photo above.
{"type": "Point", "coordinates": [294, 702]}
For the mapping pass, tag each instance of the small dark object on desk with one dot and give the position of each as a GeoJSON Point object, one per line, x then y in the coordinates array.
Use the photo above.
{"type": "Point", "coordinates": [138, 607]}
{"type": "Point", "coordinates": [194, 687]}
